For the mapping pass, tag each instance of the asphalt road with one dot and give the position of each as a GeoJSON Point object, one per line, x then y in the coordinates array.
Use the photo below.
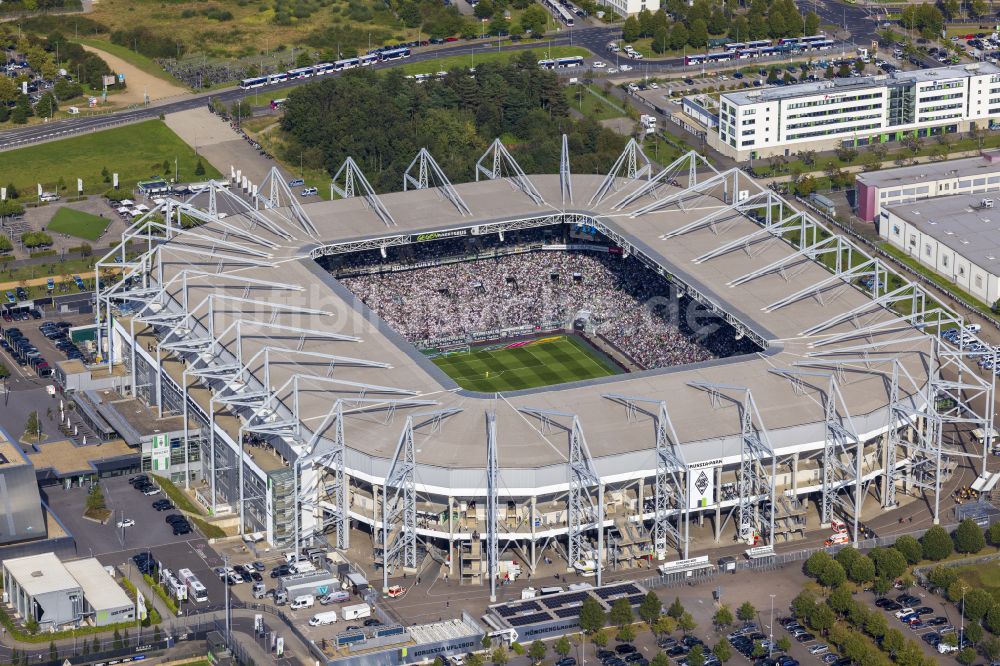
{"type": "Point", "coordinates": [855, 19]}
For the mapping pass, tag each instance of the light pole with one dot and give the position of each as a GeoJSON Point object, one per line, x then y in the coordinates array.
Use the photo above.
{"type": "Point", "coordinates": [961, 626]}
{"type": "Point", "coordinates": [770, 629]}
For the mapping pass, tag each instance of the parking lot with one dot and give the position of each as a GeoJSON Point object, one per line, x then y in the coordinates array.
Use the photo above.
{"type": "Point", "coordinates": [30, 328]}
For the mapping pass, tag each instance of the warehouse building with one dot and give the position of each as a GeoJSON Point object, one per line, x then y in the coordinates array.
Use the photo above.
{"type": "Point", "coordinates": [957, 237]}
{"type": "Point", "coordinates": [54, 594]}
{"type": "Point", "coordinates": [105, 602]}
{"type": "Point", "coordinates": [888, 187]}
{"type": "Point", "coordinates": [40, 588]}
{"type": "Point", "coordinates": [857, 111]}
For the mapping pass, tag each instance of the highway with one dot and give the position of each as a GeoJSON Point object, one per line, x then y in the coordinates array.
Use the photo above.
{"type": "Point", "coordinates": [859, 24]}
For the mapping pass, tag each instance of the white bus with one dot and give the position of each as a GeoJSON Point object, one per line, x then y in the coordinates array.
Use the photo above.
{"type": "Point", "coordinates": [194, 586]}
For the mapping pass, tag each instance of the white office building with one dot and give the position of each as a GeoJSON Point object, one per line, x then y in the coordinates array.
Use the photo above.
{"type": "Point", "coordinates": [857, 111]}
{"type": "Point", "coordinates": [955, 236]}
{"type": "Point", "coordinates": [630, 7]}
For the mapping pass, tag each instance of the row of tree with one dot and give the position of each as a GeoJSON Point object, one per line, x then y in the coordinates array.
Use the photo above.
{"type": "Point", "coordinates": [389, 118]}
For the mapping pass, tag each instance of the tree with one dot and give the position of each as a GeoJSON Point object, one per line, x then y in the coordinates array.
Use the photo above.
{"type": "Point", "coordinates": [592, 615]}
{"type": "Point", "coordinates": [847, 556]}
{"type": "Point", "coordinates": [977, 604]}
{"type": "Point", "coordinates": [829, 73]}
{"type": "Point", "coordinates": [698, 36]}
{"type": "Point", "coordinates": [650, 608]}
{"type": "Point", "coordinates": [687, 623]}
{"type": "Point", "coordinates": [33, 426]}
{"type": "Point", "coordinates": [676, 609]}
{"type": "Point", "coordinates": [534, 19]}
{"type": "Point", "coordinates": [621, 612]}
{"type": "Point", "coordinates": [969, 537]}
{"type": "Point", "coordinates": [537, 651]}
{"type": "Point", "coordinates": [723, 617]}
{"type": "Point", "coordinates": [562, 646]}
{"type": "Point", "coordinates": [993, 533]}
{"type": "Point", "coordinates": [859, 66]}
{"type": "Point", "coordinates": [974, 632]}
{"type": "Point", "coordinates": [822, 617]}
{"type": "Point", "coordinates": [942, 577]}
{"type": "Point", "coordinates": [631, 29]}
{"type": "Point", "coordinates": [600, 638]}
{"type": "Point", "coordinates": [665, 625]}
{"type": "Point", "coordinates": [22, 110]}
{"type": "Point", "coordinates": [812, 23]}
{"type": "Point", "coordinates": [803, 603]}
{"type": "Point", "coordinates": [833, 574]}
{"type": "Point", "coordinates": [484, 9]}
{"type": "Point", "coordinates": [844, 71]}
{"type": "Point", "coordinates": [784, 644]}
{"type": "Point", "coordinates": [746, 612]}
{"type": "Point", "coordinates": [966, 656]}
{"type": "Point", "coordinates": [199, 168]}
{"type": "Point", "coordinates": [696, 657]}
{"type": "Point", "coordinates": [95, 499]}
{"type": "Point", "coordinates": [46, 106]}
{"type": "Point", "coordinates": [500, 656]}
{"type": "Point", "coordinates": [817, 562]}
{"type": "Point", "coordinates": [474, 659]}
{"type": "Point", "coordinates": [863, 570]}
{"type": "Point", "coordinates": [53, 652]}
{"type": "Point", "coordinates": [990, 647]}
{"type": "Point", "coordinates": [890, 563]}
{"type": "Point", "coordinates": [936, 543]}
{"type": "Point", "coordinates": [660, 659]}
{"type": "Point", "coordinates": [678, 35]}
{"type": "Point", "coordinates": [911, 549]}
{"type": "Point", "coordinates": [881, 586]}
{"type": "Point", "coordinates": [723, 650]}
{"type": "Point", "coordinates": [840, 600]}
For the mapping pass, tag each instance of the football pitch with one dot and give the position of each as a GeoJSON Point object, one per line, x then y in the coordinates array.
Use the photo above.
{"type": "Point", "coordinates": [540, 362]}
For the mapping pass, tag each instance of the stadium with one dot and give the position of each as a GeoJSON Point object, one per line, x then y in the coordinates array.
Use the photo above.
{"type": "Point", "coordinates": [584, 366]}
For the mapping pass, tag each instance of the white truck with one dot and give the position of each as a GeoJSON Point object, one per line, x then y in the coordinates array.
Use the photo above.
{"type": "Point", "coordinates": [648, 123]}
{"type": "Point", "coordinates": [324, 618]}
{"type": "Point", "coordinates": [356, 611]}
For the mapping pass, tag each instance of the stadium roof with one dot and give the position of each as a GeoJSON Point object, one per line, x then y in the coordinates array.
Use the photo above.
{"type": "Point", "coordinates": [708, 427]}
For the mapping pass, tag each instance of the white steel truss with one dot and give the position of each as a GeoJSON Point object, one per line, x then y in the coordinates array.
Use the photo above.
{"type": "Point", "coordinates": [492, 503]}
{"type": "Point", "coordinates": [668, 176]}
{"type": "Point", "coordinates": [429, 174]}
{"type": "Point", "coordinates": [275, 194]}
{"type": "Point", "coordinates": [672, 475]}
{"type": "Point", "coordinates": [584, 512]}
{"type": "Point", "coordinates": [631, 165]}
{"type": "Point", "coordinates": [497, 162]}
{"type": "Point", "coordinates": [754, 483]}
{"type": "Point", "coordinates": [353, 181]}
{"type": "Point", "coordinates": [565, 177]}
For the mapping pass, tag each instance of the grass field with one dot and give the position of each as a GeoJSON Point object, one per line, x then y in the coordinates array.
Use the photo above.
{"type": "Point", "coordinates": [78, 224]}
{"type": "Point", "coordinates": [985, 575]}
{"type": "Point", "coordinates": [138, 60]}
{"type": "Point", "coordinates": [542, 362]}
{"type": "Point", "coordinates": [134, 152]}
{"type": "Point", "coordinates": [590, 105]}
{"type": "Point", "coordinates": [487, 55]}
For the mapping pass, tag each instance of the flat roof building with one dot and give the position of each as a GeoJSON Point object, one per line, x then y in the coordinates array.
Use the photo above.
{"type": "Point", "coordinates": [42, 588]}
{"type": "Point", "coordinates": [630, 7]}
{"type": "Point", "coordinates": [890, 187]}
{"type": "Point", "coordinates": [104, 600]}
{"type": "Point", "coordinates": [857, 111]}
{"type": "Point", "coordinates": [956, 236]}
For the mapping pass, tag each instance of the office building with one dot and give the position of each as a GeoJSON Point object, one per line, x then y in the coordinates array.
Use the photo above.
{"type": "Point", "coordinates": [630, 7]}
{"type": "Point", "coordinates": [889, 187]}
{"type": "Point", "coordinates": [860, 111]}
{"type": "Point", "coordinates": [956, 236]}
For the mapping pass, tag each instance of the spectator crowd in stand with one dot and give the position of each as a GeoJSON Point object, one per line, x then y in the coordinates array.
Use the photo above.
{"type": "Point", "coordinates": [626, 303]}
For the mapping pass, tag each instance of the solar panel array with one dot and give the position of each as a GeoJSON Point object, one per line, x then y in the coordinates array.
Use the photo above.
{"type": "Point", "coordinates": [564, 605]}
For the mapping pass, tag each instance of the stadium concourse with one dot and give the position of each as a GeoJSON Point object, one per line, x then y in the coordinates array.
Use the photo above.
{"type": "Point", "coordinates": [823, 385]}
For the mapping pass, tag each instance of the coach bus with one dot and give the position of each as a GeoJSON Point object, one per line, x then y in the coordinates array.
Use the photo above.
{"type": "Point", "coordinates": [301, 72]}
{"type": "Point", "coordinates": [560, 12]}
{"type": "Point", "coordinates": [394, 54]}
{"type": "Point", "coordinates": [571, 61]}
{"type": "Point", "coordinates": [737, 46]}
{"type": "Point", "coordinates": [708, 58]}
{"type": "Point", "coordinates": [254, 82]}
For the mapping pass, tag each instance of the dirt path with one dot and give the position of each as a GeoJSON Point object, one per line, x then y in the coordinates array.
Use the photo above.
{"type": "Point", "coordinates": [137, 81]}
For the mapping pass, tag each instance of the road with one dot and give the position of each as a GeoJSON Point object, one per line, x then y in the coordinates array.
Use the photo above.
{"type": "Point", "coordinates": [861, 27]}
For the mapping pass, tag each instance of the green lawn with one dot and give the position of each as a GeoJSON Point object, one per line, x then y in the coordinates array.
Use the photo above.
{"type": "Point", "coordinates": [589, 104]}
{"type": "Point", "coordinates": [541, 362]}
{"type": "Point", "coordinates": [136, 59]}
{"type": "Point", "coordinates": [78, 223]}
{"type": "Point", "coordinates": [489, 55]}
{"type": "Point", "coordinates": [985, 575]}
{"type": "Point", "coordinates": [135, 152]}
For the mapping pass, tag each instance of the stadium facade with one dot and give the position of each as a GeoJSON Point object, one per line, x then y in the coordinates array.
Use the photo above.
{"type": "Point", "coordinates": [316, 420]}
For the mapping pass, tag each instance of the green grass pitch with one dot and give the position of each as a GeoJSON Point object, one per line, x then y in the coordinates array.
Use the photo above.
{"type": "Point", "coordinates": [542, 362]}
{"type": "Point", "coordinates": [78, 223]}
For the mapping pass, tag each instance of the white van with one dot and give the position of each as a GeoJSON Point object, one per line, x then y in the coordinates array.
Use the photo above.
{"type": "Point", "coordinates": [304, 601]}
{"type": "Point", "coordinates": [321, 619]}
